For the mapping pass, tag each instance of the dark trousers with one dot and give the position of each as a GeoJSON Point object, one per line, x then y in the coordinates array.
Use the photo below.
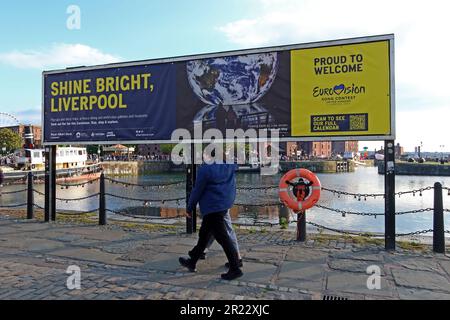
{"type": "Point", "coordinates": [213, 224]}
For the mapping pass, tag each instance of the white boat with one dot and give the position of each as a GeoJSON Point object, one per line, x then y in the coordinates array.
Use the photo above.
{"type": "Point", "coordinates": [66, 158]}
{"type": "Point", "coordinates": [71, 165]}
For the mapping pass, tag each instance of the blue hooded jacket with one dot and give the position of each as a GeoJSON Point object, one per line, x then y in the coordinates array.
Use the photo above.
{"type": "Point", "coordinates": [214, 189]}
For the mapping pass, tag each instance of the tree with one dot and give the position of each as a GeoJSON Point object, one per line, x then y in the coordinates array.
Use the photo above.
{"type": "Point", "coordinates": [92, 149]}
{"type": "Point", "coordinates": [9, 140]}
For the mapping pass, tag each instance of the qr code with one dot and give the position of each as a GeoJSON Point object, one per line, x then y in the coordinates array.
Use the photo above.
{"type": "Point", "coordinates": [358, 122]}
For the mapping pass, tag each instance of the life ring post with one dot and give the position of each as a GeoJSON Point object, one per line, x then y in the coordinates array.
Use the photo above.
{"type": "Point", "coordinates": [305, 195]}
{"type": "Point", "coordinates": [301, 226]}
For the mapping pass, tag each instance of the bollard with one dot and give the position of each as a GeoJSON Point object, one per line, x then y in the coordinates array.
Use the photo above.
{"type": "Point", "coordinates": [30, 197]}
{"type": "Point", "coordinates": [438, 220]}
{"type": "Point", "coordinates": [301, 226]}
{"type": "Point", "coordinates": [102, 219]}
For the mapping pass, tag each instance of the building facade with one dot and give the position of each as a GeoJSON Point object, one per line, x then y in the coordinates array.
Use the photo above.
{"type": "Point", "coordinates": [341, 147]}
{"type": "Point", "coordinates": [399, 151]}
{"type": "Point", "coordinates": [37, 133]}
{"type": "Point", "coordinates": [320, 149]}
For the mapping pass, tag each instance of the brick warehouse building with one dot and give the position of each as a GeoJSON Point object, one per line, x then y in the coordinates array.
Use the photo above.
{"type": "Point", "coordinates": [37, 133]}
{"type": "Point", "coordinates": [323, 149]}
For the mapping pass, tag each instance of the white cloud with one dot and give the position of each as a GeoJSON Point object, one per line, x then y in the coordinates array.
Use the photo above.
{"type": "Point", "coordinates": [29, 116]}
{"type": "Point", "coordinates": [57, 56]}
{"type": "Point", "coordinates": [422, 48]}
{"type": "Point", "coordinates": [421, 30]}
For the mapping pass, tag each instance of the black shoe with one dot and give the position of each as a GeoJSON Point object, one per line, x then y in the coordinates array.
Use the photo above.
{"type": "Point", "coordinates": [188, 264]}
{"type": "Point", "coordinates": [240, 265]}
{"type": "Point", "coordinates": [202, 255]}
{"type": "Point", "coordinates": [232, 274]}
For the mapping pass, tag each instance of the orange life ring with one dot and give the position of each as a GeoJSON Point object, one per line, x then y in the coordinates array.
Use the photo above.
{"type": "Point", "coordinates": [290, 200]}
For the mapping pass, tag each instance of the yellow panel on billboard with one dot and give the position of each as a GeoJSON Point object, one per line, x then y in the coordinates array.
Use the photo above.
{"type": "Point", "coordinates": [341, 90]}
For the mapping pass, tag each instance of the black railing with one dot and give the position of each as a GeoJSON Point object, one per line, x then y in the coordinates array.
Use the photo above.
{"type": "Point", "coordinates": [30, 204]}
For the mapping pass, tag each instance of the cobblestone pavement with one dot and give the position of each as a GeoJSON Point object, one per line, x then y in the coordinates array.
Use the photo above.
{"type": "Point", "coordinates": [116, 263]}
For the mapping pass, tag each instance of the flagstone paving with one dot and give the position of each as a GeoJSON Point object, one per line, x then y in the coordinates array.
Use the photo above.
{"type": "Point", "coordinates": [118, 263]}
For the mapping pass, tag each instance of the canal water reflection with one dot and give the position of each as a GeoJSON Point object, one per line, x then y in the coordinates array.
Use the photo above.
{"type": "Point", "coordinates": [363, 180]}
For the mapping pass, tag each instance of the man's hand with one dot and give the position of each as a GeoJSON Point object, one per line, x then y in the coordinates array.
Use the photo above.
{"type": "Point", "coordinates": [189, 214]}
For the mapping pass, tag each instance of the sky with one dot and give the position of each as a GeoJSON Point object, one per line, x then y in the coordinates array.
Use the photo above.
{"type": "Point", "coordinates": [34, 37]}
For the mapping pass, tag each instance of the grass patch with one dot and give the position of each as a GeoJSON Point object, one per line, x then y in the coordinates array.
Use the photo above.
{"type": "Point", "coordinates": [144, 226]}
{"type": "Point", "coordinates": [412, 246]}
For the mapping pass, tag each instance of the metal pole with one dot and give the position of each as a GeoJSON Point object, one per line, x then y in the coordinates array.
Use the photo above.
{"type": "Point", "coordinates": [53, 182]}
{"type": "Point", "coordinates": [194, 176]}
{"type": "Point", "coordinates": [189, 186]}
{"type": "Point", "coordinates": [438, 220]}
{"type": "Point", "coordinates": [301, 226]}
{"type": "Point", "coordinates": [389, 194]}
{"type": "Point", "coordinates": [102, 218]}
{"type": "Point", "coordinates": [47, 205]}
{"type": "Point", "coordinates": [30, 197]}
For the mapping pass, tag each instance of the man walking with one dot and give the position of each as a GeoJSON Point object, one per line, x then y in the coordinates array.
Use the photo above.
{"type": "Point", "coordinates": [215, 191]}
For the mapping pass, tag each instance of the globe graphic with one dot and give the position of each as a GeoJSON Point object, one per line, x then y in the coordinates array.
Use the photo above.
{"type": "Point", "coordinates": [232, 80]}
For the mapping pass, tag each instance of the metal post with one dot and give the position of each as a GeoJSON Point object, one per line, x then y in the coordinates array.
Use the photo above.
{"type": "Point", "coordinates": [102, 218]}
{"type": "Point", "coordinates": [438, 220]}
{"type": "Point", "coordinates": [194, 176]}
{"type": "Point", "coordinates": [47, 205]}
{"type": "Point", "coordinates": [53, 182]}
{"type": "Point", "coordinates": [190, 180]}
{"type": "Point", "coordinates": [30, 197]}
{"type": "Point", "coordinates": [301, 226]}
{"type": "Point", "coordinates": [189, 186]}
{"type": "Point", "coordinates": [389, 194]}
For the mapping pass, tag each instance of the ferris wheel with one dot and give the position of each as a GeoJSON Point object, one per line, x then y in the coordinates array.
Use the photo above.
{"type": "Point", "coordinates": [8, 120]}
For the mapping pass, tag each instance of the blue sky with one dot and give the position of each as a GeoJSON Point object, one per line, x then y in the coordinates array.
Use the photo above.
{"type": "Point", "coordinates": [34, 37]}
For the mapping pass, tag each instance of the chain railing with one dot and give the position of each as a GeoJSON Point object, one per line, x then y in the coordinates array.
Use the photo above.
{"type": "Point", "coordinates": [145, 186]}
{"type": "Point", "coordinates": [143, 217]}
{"type": "Point", "coordinates": [77, 185]}
{"type": "Point", "coordinates": [69, 199]}
{"type": "Point", "coordinates": [146, 202]}
{"type": "Point", "coordinates": [67, 213]}
{"type": "Point", "coordinates": [367, 234]}
{"type": "Point", "coordinates": [365, 196]}
{"type": "Point", "coordinates": [372, 214]}
{"type": "Point", "coordinates": [12, 192]}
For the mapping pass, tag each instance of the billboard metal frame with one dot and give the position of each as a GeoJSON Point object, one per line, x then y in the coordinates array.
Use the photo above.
{"type": "Point", "coordinates": [310, 45]}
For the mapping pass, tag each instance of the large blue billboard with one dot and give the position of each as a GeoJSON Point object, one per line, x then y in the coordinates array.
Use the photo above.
{"type": "Point", "coordinates": [147, 102]}
{"type": "Point", "coordinates": [119, 104]}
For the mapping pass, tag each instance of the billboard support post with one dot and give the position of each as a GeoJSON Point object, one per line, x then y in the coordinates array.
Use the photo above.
{"type": "Point", "coordinates": [50, 183]}
{"type": "Point", "coordinates": [53, 181]}
{"type": "Point", "coordinates": [47, 185]}
{"type": "Point", "coordinates": [389, 194]}
{"type": "Point", "coordinates": [194, 176]}
{"type": "Point", "coordinates": [191, 223]}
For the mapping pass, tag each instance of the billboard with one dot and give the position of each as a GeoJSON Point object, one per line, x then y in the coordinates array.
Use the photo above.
{"type": "Point", "coordinates": [332, 90]}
